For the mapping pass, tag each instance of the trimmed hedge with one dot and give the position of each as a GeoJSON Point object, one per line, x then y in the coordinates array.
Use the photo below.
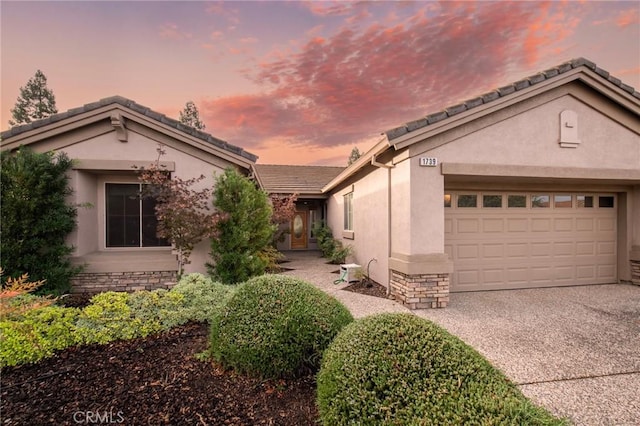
{"type": "Point", "coordinates": [401, 369]}
{"type": "Point", "coordinates": [276, 326]}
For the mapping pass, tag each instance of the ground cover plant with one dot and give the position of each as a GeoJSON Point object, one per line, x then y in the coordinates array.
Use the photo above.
{"type": "Point", "coordinates": [35, 334]}
{"type": "Point", "coordinates": [401, 369]}
{"type": "Point", "coordinates": [276, 326]}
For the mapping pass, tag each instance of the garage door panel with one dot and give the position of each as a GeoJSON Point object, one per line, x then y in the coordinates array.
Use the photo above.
{"type": "Point", "coordinates": [564, 224]}
{"type": "Point", "coordinates": [501, 248]}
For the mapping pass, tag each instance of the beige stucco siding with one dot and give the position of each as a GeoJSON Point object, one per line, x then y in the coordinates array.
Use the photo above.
{"type": "Point", "coordinates": [370, 222]}
{"type": "Point", "coordinates": [532, 138]}
{"type": "Point", "coordinates": [89, 185]}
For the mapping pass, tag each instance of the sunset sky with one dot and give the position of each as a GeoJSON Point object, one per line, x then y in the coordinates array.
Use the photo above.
{"type": "Point", "coordinates": [303, 82]}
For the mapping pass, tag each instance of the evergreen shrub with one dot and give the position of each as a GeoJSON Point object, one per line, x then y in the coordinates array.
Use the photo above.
{"type": "Point", "coordinates": [276, 326]}
{"type": "Point", "coordinates": [202, 298]}
{"type": "Point", "coordinates": [400, 369]}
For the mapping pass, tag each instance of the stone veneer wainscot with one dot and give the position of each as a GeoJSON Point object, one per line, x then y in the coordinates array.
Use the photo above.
{"type": "Point", "coordinates": [96, 282]}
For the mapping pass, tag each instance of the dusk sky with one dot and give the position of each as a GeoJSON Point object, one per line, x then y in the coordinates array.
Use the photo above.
{"type": "Point", "coordinates": [303, 82]}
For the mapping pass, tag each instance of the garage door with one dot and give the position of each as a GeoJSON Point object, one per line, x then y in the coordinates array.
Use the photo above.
{"type": "Point", "coordinates": [509, 240]}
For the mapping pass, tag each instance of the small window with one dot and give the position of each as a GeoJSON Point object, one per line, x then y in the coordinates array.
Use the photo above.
{"type": "Point", "coordinates": [348, 212]}
{"type": "Point", "coordinates": [584, 201]}
{"type": "Point", "coordinates": [562, 201]}
{"type": "Point", "coordinates": [492, 201]}
{"type": "Point", "coordinates": [539, 201]}
{"type": "Point", "coordinates": [447, 200]}
{"type": "Point", "coordinates": [605, 202]}
{"type": "Point", "coordinates": [517, 201]}
{"type": "Point", "coordinates": [468, 200]}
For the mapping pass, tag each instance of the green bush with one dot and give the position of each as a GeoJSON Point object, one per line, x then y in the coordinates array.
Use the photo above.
{"type": "Point", "coordinates": [158, 309]}
{"type": "Point", "coordinates": [276, 326]}
{"type": "Point", "coordinates": [202, 298]}
{"type": "Point", "coordinates": [35, 218]}
{"type": "Point", "coordinates": [331, 248]}
{"type": "Point", "coordinates": [400, 369]}
{"type": "Point", "coordinates": [37, 334]}
{"type": "Point", "coordinates": [244, 231]}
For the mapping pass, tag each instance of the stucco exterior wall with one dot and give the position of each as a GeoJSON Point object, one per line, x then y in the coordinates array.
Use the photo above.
{"type": "Point", "coordinates": [532, 138]}
{"type": "Point", "coordinates": [89, 185]}
{"type": "Point", "coordinates": [370, 222]}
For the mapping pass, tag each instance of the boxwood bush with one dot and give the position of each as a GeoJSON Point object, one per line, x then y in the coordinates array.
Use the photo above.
{"type": "Point", "coordinates": [203, 298]}
{"type": "Point", "coordinates": [276, 326]}
{"type": "Point", "coordinates": [401, 369]}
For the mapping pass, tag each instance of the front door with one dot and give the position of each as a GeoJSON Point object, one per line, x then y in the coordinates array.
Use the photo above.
{"type": "Point", "coordinates": [299, 230]}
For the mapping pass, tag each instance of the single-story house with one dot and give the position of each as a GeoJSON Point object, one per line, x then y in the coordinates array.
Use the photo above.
{"type": "Point", "coordinates": [116, 234]}
{"type": "Point", "coordinates": [534, 184]}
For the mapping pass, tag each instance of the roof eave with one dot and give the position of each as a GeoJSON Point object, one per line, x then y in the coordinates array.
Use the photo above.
{"type": "Point", "coordinates": [359, 164]}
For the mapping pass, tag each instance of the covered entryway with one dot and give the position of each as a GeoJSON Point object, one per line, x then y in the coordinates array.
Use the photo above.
{"type": "Point", "coordinates": [509, 240]}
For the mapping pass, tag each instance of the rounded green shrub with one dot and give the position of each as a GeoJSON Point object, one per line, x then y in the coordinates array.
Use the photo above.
{"type": "Point", "coordinates": [203, 298]}
{"type": "Point", "coordinates": [401, 369]}
{"type": "Point", "coordinates": [276, 326]}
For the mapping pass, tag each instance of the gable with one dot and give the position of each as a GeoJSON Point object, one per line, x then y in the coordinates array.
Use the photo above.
{"type": "Point", "coordinates": [116, 119]}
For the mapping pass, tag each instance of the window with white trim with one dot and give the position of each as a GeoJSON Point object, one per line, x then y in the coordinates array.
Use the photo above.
{"type": "Point", "coordinates": [130, 220]}
{"type": "Point", "coordinates": [348, 212]}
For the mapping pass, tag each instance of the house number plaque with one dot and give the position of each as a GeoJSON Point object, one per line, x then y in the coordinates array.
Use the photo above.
{"type": "Point", "coordinates": [428, 161]}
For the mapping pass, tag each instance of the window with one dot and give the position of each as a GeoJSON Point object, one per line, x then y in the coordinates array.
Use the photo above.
{"type": "Point", "coordinates": [539, 201]}
{"type": "Point", "coordinates": [517, 201]}
{"type": "Point", "coordinates": [605, 201]}
{"type": "Point", "coordinates": [348, 212]}
{"type": "Point", "coordinates": [447, 200]}
{"type": "Point", "coordinates": [492, 201]}
{"type": "Point", "coordinates": [562, 201]}
{"type": "Point", "coordinates": [130, 221]}
{"type": "Point", "coordinates": [468, 200]}
{"type": "Point", "coordinates": [584, 201]}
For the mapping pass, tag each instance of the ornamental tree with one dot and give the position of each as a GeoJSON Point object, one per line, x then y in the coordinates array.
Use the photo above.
{"type": "Point", "coordinates": [284, 208]}
{"type": "Point", "coordinates": [36, 101]}
{"type": "Point", "coordinates": [183, 213]}
{"type": "Point", "coordinates": [244, 233]}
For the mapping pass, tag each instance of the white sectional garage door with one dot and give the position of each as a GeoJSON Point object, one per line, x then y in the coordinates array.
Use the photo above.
{"type": "Point", "coordinates": [500, 240]}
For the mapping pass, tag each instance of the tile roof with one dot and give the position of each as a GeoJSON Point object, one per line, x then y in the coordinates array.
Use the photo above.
{"type": "Point", "coordinates": [128, 103]}
{"type": "Point", "coordinates": [285, 179]}
{"type": "Point", "coordinates": [505, 91]}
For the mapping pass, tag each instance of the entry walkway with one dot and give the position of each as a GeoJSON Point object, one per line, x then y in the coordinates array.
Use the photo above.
{"type": "Point", "coordinates": [573, 350]}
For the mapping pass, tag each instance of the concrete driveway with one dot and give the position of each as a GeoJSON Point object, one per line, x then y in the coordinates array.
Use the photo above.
{"type": "Point", "coordinates": [574, 350]}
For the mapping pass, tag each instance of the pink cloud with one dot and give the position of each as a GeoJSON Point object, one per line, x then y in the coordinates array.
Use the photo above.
{"type": "Point", "coordinates": [172, 32]}
{"type": "Point", "coordinates": [354, 84]}
{"type": "Point", "coordinates": [628, 17]}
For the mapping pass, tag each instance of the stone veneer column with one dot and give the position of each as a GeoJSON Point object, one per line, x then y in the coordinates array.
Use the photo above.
{"type": "Point", "coordinates": [634, 257]}
{"type": "Point", "coordinates": [420, 281]}
{"type": "Point", "coordinates": [420, 291]}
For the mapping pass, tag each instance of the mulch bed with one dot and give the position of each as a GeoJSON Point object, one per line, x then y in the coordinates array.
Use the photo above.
{"type": "Point", "coordinates": [370, 288]}
{"type": "Point", "coordinates": [150, 381]}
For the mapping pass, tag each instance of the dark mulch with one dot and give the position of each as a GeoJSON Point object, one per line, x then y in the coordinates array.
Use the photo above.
{"type": "Point", "coordinates": [150, 381]}
{"type": "Point", "coordinates": [370, 288]}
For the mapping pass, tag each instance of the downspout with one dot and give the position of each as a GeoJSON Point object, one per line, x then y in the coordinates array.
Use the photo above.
{"type": "Point", "coordinates": [375, 163]}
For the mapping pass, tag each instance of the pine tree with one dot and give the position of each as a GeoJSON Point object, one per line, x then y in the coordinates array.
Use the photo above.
{"type": "Point", "coordinates": [245, 231]}
{"type": "Point", "coordinates": [191, 117]}
{"type": "Point", "coordinates": [355, 154]}
{"type": "Point", "coordinates": [36, 101]}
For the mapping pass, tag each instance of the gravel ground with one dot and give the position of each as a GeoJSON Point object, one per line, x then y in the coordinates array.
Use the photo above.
{"type": "Point", "coordinates": [573, 350]}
